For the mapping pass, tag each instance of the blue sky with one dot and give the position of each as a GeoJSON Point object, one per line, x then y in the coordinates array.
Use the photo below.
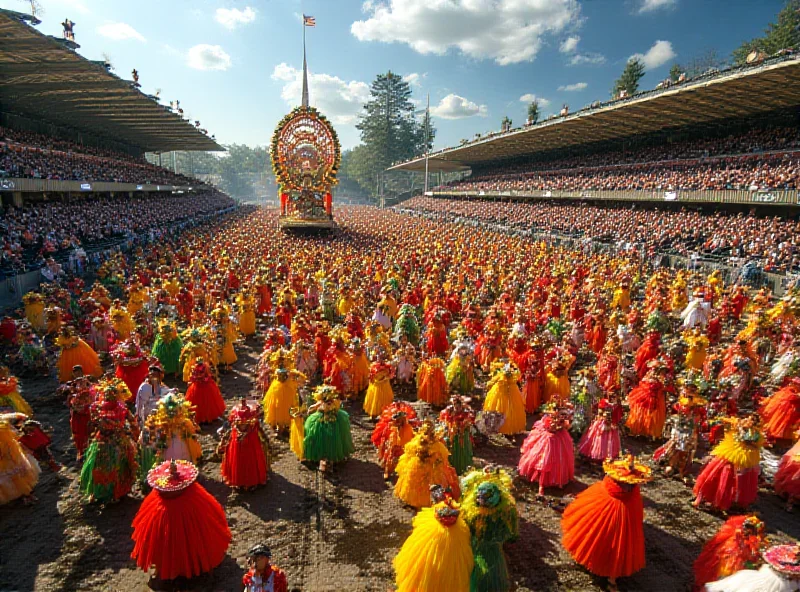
{"type": "Point", "coordinates": [235, 64]}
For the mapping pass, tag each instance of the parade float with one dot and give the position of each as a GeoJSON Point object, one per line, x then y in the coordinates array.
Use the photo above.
{"type": "Point", "coordinates": [305, 156]}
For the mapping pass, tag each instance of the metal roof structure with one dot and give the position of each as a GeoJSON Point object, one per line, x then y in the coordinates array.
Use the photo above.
{"type": "Point", "coordinates": [732, 94]}
{"type": "Point", "coordinates": [41, 77]}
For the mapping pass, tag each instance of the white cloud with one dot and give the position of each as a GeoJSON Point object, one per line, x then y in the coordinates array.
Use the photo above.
{"type": "Point", "coordinates": [339, 100]}
{"type": "Point", "coordinates": [230, 18]}
{"type": "Point", "coordinates": [507, 31]}
{"type": "Point", "coordinates": [651, 5]}
{"type": "Point", "coordinates": [580, 59]}
{"type": "Point", "coordinates": [573, 87]}
{"type": "Point", "coordinates": [569, 45]}
{"type": "Point", "coordinates": [208, 57]}
{"type": "Point", "coordinates": [656, 56]}
{"type": "Point", "coordinates": [414, 79]}
{"type": "Point", "coordinates": [120, 32]}
{"type": "Point", "coordinates": [455, 107]}
{"type": "Point", "coordinates": [530, 98]}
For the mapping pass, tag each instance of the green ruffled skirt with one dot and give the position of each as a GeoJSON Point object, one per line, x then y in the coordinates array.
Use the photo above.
{"type": "Point", "coordinates": [109, 470]}
{"type": "Point", "coordinates": [327, 438]}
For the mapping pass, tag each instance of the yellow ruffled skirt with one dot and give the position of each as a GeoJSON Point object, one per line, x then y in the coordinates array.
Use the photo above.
{"type": "Point", "coordinates": [695, 359]}
{"type": "Point", "coordinates": [297, 437]}
{"type": "Point", "coordinates": [247, 323]}
{"type": "Point", "coordinates": [435, 557]}
{"type": "Point", "coordinates": [379, 397]}
{"type": "Point", "coordinates": [556, 387]}
{"type": "Point", "coordinates": [228, 354]}
{"type": "Point", "coordinates": [16, 402]}
{"type": "Point", "coordinates": [82, 354]}
{"type": "Point", "coordinates": [280, 398]}
{"type": "Point", "coordinates": [506, 398]}
{"type": "Point", "coordinates": [19, 471]}
{"type": "Point", "coordinates": [360, 370]}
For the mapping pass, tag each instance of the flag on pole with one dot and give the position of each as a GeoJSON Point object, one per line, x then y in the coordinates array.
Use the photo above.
{"type": "Point", "coordinates": [309, 21]}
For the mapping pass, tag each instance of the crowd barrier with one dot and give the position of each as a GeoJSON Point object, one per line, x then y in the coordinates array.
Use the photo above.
{"type": "Point", "coordinates": [57, 186]}
{"type": "Point", "coordinates": [755, 197]}
{"type": "Point", "coordinates": [14, 288]}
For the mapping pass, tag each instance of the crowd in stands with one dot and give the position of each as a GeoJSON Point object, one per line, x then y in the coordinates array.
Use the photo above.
{"type": "Point", "coordinates": [773, 242]}
{"type": "Point", "coordinates": [28, 155]}
{"type": "Point", "coordinates": [37, 231]}
{"type": "Point", "coordinates": [767, 158]}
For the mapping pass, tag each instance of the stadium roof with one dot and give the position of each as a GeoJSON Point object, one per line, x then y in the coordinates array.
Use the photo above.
{"type": "Point", "coordinates": [41, 77]}
{"type": "Point", "coordinates": [732, 94]}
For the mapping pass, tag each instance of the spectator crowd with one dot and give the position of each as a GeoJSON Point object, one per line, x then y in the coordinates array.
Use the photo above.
{"type": "Point", "coordinates": [772, 241]}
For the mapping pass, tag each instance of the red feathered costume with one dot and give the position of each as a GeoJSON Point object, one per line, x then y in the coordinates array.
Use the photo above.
{"type": "Point", "coordinates": [245, 461]}
{"type": "Point", "coordinates": [780, 414]}
{"type": "Point", "coordinates": [603, 529]}
{"type": "Point", "coordinates": [180, 529]}
{"type": "Point", "coordinates": [649, 350]}
{"type": "Point", "coordinates": [787, 479]}
{"type": "Point", "coordinates": [204, 394]}
{"type": "Point", "coordinates": [736, 546]}
{"type": "Point", "coordinates": [132, 365]}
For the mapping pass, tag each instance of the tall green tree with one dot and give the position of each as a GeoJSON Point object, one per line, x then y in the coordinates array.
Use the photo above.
{"type": "Point", "coordinates": [390, 130]}
{"type": "Point", "coordinates": [675, 72]}
{"type": "Point", "coordinates": [629, 80]}
{"type": "Point", "coordinates": [533, 112]}
{"type": "Point", "coordinates": [784, 33]}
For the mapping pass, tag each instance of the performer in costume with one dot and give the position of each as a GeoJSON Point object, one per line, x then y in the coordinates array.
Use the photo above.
{"type": "Point", "coordinates": [458, 419]}
{"type": "Point", "coordinates": [170, 433]}
{"type": "Point", "coordinates": [503, 396]}
{"type": "Point", "coordinates": [360, 367]}
{"type": "Point", "coordinates": [424, 463]}
{"type": "Point", "coordinates": [327, 430]}
{"type": "Point", "coordinates": [393, 431]}
{"type": "Point", "coordinates": [405, 364]}
{"type": "Point", "coordinates": [180, 529]}
{"type": "Point", "coordinates": [490, 511]}
{"type": "Point", "coordinates": [609, 510]}
{"type": "Point", "coordinates": [460, 372]}
{"type": "Point", "coordinates": [150, 393]}
{"type": "Point", "coordinates": [10, 399]}
{"type": "Point", "coordinates": [204, 393]}
{"type": "Point", "coordinates": [80, 396]}
{"type": "Point", "coordinates": [76, 352]}
{"type": "Point", "coordinates": [781, 412]}
{"type": "Point", "coordinates": [19, 471]}
{"type": "Point", "coordinates": [780, 573]}
{"type": "Point", "coordinates": [281, 396]}
{"type": "Point", "coordinates": [731, 478]}
{"type": "Point", "coordinates": [261, 575]}
{"type": "Point", "coordinates": [34, 311]}
{"type": "Point", "coordinates": [677, 454]}
{"type": "Point", "coordinates": [647, 402]}
{"type": "Point", "coordinates": [245, 447]}
{"type": "Point", "coordinates": [547, 454]}
{"type": "Point", "coordinates": [167, 348]}
{"type": "Point", "coordinates": [247, 313]}
{"type": "Point", "coordinates": [737, 545]}
{"type": "Point", "coordinates": [787, 479]}
{"type": "Point", "coordinates": [602, 441]}
{"type": "Point", "coordinates": [379, 394]}
{"type": "Point", "coordinates": [437, 555]}
{"type": "Point", "coordinates": [132, 366]}
{"type": "Point", "coordinates": [110, 466]}
{"type": "Point", "coordinates": [432, 382]}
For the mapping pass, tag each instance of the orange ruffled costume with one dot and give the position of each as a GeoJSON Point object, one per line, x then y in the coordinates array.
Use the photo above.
{"type": "Point", "coordinates": [781, 412]}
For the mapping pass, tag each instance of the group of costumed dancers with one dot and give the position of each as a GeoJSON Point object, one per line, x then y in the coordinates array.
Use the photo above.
{"type": "Point", "coordinates": [445, 348]}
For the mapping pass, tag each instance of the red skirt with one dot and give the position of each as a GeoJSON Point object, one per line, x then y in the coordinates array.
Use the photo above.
{"type": "Point", "coordinates": [207, 401]}
{"type": "Point", "coordinates": [603, 529]}
{"type": "Point", "coordinates": [182, 536]}
{"type": "Point", "coordinates": [79, 423]}
{"type": "Point", "coordinates": [245, 464]}
{"type": "Point", "coordinates": [722, 555]}
{"type": "Point", "coordinates": [721, 485]}
{"type": "Point", "coordinates": [532, 392]}
{"type": "Point", "coordinates": [133, 376]}
{"type": "Point", "coordinates": [787, 479]}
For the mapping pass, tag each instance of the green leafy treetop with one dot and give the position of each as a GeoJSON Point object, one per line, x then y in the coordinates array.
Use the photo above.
{"type": "Point", "coordinates": [629, 80]}
{"type": "Point", "coordinates": [784, 33]}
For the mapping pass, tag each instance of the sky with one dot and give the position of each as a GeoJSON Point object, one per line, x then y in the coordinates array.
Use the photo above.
{"type": "Point", "coordinates": [235, 65]}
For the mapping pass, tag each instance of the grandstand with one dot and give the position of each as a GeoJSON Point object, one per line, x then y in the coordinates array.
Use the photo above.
{"type": "Point", "coordinates": [73, 138]}
{"type": "Point", "coordinates": [557, 158]}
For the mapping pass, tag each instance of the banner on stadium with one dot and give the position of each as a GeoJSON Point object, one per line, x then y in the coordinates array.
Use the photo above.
{"type": "Point", "coordinates": [86, 186]}
{"type": "Point", "coordinates": [670, 195]}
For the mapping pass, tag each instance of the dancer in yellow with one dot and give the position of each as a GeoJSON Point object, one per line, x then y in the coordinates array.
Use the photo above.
{"type": "Point", "coordinates": [227, 330]}
{"type": "Point", "coordinates": [34, 311]}
{"type": "Point", "coordinates": [282, 396]}
{"type": "Point", "coordinates": [247, 313]}
{"type": "Point", "coordinates": [504, 396]}
{"type": "Point", "coordinates": [424, 463]}
{"type": "Point", "coordinates": [697, 344]}
{"type": "Point", "coordinates": [9, 393]}
{"type": "Point", "coordinates": [137, 296]}
{"type": "Point", "coordinates": [379, 394]}
{"type": "Point", "coordinates": [76, 352]}
{"type": "Point", "coordinates": [19, 471]}
{"type": "Point", "coordinates": [122, 321]}
{"type": "Point", "coordinates": [194, 347]}
{"type": "Point", "coordinates": [437, 556]}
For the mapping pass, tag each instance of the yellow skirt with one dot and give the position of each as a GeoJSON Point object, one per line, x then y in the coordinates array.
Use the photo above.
{"type": "Point", "coordinates": [81, 354]}
{"type": "Point", "coordinates": [506, 398]}
{"type": "Point", "coordinates": [360, 369]}
{"type": "Point", "coordinates": [35, 315]}
{"type": "Point", "coordinates": [379, 397]}
{"type": "Point", "coordinates": [696, 359]}
{"type": "Point", "coordinates": [19, 471]}
{"type": "Point", "coordinates": [435, 557]}
{"type": "Point", "coordinates": [280, 397]}
{"type": "Point", "coordinates": [228, 354]}
{"type": "Point", "coordinates": [556, 387]}
{"type": "Point", "coordinates": [247, 323]}
{"type": "Point", "coordinates": [16, 402]}
{"type": "Point", "coordinates": [297, 437]}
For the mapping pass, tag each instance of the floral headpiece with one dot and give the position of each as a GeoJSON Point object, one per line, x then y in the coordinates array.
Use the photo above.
{"type": "Point", "coordinates": [627, 470]}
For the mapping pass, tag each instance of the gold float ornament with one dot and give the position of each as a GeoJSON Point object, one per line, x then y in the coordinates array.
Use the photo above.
{"type": "Point", "coordinates": [305, 152]}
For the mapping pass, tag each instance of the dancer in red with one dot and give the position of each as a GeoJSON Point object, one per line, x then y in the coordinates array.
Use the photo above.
{"type": "Point", "coordinates": [204, 394]}
{"type": "Point", "coordinates": [603, 529]}
{"type": "Point", "coordinates": [787, 479]}
{"type": "Point", "coordinates": [180, 529]}
{"type": "Point", "coordinates": [132, 364]}
{"type": "Point", "coordinates": [737, 545]}
{"type": "Point", "coordinates": [245, 448]}
{"type": "Point", "coordinates": [781, 412]}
